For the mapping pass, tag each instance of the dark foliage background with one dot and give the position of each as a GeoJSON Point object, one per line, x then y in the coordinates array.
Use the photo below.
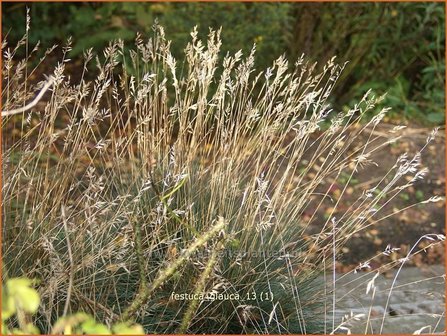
{"type": "Point", "coordinates": [397, 48]}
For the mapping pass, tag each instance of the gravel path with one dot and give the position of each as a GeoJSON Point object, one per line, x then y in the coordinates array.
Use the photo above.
{"type": "Point", "coordinates": [417, 300]}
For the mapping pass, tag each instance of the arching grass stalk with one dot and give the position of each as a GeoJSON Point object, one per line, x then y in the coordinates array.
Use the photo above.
{"type": "Point", "coordinates": [145, 293]}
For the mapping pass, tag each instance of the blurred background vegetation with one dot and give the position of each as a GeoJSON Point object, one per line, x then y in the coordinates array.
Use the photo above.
{"type": "Point", "coordinates": [397, 48]}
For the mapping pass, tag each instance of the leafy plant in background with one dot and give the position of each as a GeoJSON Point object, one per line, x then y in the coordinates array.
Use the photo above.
{"type": "Point", "coordinates": [378, 40]}
{"type": "Point", "coordinates": [20, 301]}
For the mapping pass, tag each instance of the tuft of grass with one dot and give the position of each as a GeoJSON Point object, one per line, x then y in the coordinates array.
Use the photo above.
{"type": "Point", "coordinates": [162, 177]}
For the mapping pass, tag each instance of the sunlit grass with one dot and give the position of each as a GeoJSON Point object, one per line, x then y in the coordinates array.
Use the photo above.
{"type": "Point", "coordinates": [153, 179]}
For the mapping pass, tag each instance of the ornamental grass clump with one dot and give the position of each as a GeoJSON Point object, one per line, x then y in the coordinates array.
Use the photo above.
{"type": "Point", "coordinates": [172, 193]}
